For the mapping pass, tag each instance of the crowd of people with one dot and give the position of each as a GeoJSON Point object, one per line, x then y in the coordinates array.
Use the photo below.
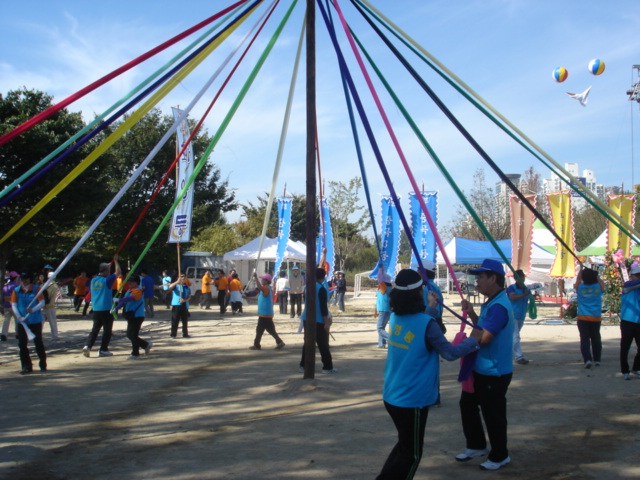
{"type": "Point", "coordinates": [408, 317]}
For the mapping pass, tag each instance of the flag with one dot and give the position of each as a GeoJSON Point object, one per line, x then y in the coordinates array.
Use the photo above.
{"type": "Point", "coordinates": [521, 232]}
{"type": "Point", "coordinates": [284, 229]}
{"type": "Point", "coordinates": [625, 207]}
{"type": "Point", "coordinates": [422, 235]}
{"type": "Point", "coordinates": [390, 238]}
{"type": "Point", "coordinates": [180, 227]}
{"type": "Point", "coordinates": [564, 265]}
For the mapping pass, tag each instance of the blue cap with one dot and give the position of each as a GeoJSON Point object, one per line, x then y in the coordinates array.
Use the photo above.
{"type": "Point", "coordinates": [488, 265]}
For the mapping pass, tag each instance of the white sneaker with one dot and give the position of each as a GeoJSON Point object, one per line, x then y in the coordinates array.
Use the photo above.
{"type": "Point", "coordinates": [148, 348]}
{"type": "Point", "coordinates": [489, 465]}
{"type": "Point", "coordinates": [470, 453]}
{"type": "Point", "coordinates": [332, 370]}
{"type": "Point", "coordinates": [86, 351]}
{"type": "Point", "coordinates": [133, 357]}
{"type": "Point", "coordinates": [587, 364]}
{"type": "Point", "coordinates": [104, 353]}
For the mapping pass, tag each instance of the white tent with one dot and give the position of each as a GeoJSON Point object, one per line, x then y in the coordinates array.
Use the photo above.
{"type": "Point", "coordinates": [244, 258]}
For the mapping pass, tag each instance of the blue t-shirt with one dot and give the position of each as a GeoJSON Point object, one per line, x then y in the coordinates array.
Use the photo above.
{"type": "Point", "coordinates": [147, 284]}
{"type": "Point", "coordinates": [519, 306]}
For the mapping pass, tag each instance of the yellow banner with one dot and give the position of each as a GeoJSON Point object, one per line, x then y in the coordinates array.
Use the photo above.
{"type": "Point", "coordinates": [521, 233]}
{"type": "Point", "coordinates": [564, 265]}
{"type": "Point", "coordinates": [625, 206]}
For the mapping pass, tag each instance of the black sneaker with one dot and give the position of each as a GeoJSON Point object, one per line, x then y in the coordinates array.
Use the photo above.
{"type": "Point", "coordinates": [26, 371]}
{"type": "Point", "coordinates": [3, 338]}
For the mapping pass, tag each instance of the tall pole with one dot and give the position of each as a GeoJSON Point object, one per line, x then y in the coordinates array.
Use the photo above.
{"type": "Point", "coordinates": [310, 306]}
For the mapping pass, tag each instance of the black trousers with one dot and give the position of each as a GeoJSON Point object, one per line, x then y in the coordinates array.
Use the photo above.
{"type": "Point", "coordinates": [23, 344]}
{"type": "Point", "coordinates": [179, 313]}
{"type": "Point", "coordinates": [222, 300]}
{"type": "Point", "coordinates": [404, 459]}
{"type": "Point", "coordinates": [133, 332]}
{"type": "Point", "coordinates": [322, 340]}
{"type": "Point", "coordinates": [104, 321]}
{"type": "Point", "coordinates": [629, 332]}
{"type": "Point", "coordinates": [266, 323]}
{"type": "Point", "coordinates": [490, 397]}
{"type": "Point", "coordinates": [283, 298]}
{"type": "Point", "coordinates": [296, 304]}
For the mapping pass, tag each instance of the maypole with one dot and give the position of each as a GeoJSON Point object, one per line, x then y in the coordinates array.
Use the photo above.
{"type": "Point", "coordinates": [310, 307]}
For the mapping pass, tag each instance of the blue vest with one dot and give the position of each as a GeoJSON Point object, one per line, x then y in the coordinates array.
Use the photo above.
{"type": "Point", "coordinates": [136, 306]}
{"type": "Point", "coordinates": [436, 289]}
{"type": "Point", "coordinates": [630, 306]}
{"type": "Point", "coordinates": [319, 318]}
{"type": "Point", "coordinates": [265, 304]}
{"type": "Point", "coordinates": [496, 358]}
{"type": "Point", "coordinates": [382, 300]}
{"type": "Point", "coordinates": [24, 300]}
{"type": "Point", "coordinates": [101, 299]}
{"type": "Point", "coordinates": [411, 374]}
{"type": "Point", "coordinates": [519, 306]}
{"type": "Point", "coordinates": [180, 291]}
{"type": "Point", "coordinates": [590, 300]}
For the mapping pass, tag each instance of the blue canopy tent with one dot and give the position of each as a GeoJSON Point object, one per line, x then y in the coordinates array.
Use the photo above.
{"type": "Point", "coordinates": [463, 251]}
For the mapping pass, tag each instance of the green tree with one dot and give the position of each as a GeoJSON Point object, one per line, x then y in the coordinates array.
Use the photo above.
{"type": "Point", "coordinates": [217, 239]}
{"type": "Point", "coordinates": [349, 220]}
{"type": "Point", "coordinates": [47, 236]}
{"type": "Point", "coordinates": [588, 224]}
{"type": "Point", "coordinates": [483, 201]}
{"type": "Point", "coordinates": [253, 219]}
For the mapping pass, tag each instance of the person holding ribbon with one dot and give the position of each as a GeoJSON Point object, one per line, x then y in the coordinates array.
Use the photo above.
{"type": "Point", "coordinates": [27, 307]}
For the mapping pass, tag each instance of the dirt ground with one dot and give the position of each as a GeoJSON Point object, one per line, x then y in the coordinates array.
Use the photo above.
{"type": "Point", "coordinates": [207, 407]}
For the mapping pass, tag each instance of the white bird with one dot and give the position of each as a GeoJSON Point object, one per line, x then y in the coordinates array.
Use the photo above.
{"type": "Point", "coordinates": [581, 97]}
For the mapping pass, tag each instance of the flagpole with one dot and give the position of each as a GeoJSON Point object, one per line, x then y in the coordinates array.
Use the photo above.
{"type": "Point", "coordinates": [310, 305]}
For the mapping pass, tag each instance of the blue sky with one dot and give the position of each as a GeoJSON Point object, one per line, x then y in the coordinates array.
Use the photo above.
{"type": "Point", "coordinates": [505, 50]}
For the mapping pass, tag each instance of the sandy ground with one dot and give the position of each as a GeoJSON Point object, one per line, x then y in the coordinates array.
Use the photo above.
{"type": "Point", "coordinates": [209, 408]}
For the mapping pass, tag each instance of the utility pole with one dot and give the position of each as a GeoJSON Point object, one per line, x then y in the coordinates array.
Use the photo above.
{"type": "Point", "coordinates": [310, 304]}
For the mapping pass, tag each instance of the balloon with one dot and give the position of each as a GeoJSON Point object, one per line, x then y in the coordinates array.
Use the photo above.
{"type": "Point", "coordinates": [560, 74]}
{"type": "Point", "coordinates": [596, 66]}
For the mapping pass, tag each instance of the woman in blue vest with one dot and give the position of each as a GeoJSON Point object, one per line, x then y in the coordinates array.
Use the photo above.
{"type": "Point", "coordinates": [590, 290]}
{"type": "Point", "coordinates": [27, 307]}
{"type": "Point", "coordinates": [383, 308]}
{"type": "Point", "coordinates": [411, 375]}
{"type": "Point", "coordinates": [134, 308]}
{"type": "Point", "coordinates": [265, 312]}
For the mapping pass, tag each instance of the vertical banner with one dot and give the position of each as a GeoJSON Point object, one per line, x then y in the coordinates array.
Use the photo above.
{"type": "Point", "coordinates": [284, 229]}
{"type": "Point", "coordinates": [625, 207]}
{"type": "Point", "coordinates": [390, 238]}
{"type": "Point", "coordinates": [325, 240]}
{"type": "Point", "coordinates": [564, 265]}
{"type": "Point", "coordinates": [180, 228]}
{"type": "Point", "coordinates": [521, 233]}
{"type": "Point", "coordinates": [422, 235]}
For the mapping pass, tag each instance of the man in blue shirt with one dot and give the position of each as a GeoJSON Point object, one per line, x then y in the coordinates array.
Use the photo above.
{"type": "Point", "coordinates": [492, 371]}
{"type": "Point", "coordinates": [518, 293]}
{"type": "Point", "coordinates": [147, 286]}
{"type": "Point", "coordinates": [102, 301]}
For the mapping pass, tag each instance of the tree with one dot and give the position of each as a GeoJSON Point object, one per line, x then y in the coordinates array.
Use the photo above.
{"type": "Point", "coordinates": [484, 203]}
{"type": "Point", "coordinates": [251, 226]}
{"type": "Point", "coordinates": [46, 237]}
{"type": "Point", "coordinates": [588, 224]}
{"type": "Point", "coordinates": [212, 196]}
{"type": "Point", "coordinates": [218, 239]}
{"type": "Point", "coordinates": [349, 220]}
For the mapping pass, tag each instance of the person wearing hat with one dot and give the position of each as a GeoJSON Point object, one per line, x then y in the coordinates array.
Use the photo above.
{"type": "Point", "coordinates": [265, 312]}
{"type": "Point", "coordinates": [382, 312]}
{"type": "Point", "coordinates": [412, 370]}
{"type": "Point", "coordinates": [630, 322]}
{"type": "Point", "coordinates": [102, 301]}
{"type": "Point", "coordinates": [492, 371]}
{"type": "Point", "coordinates": [590, 290]}
{"type": "Point", "coordinates": [49, 310]}
{"type": "Point", "coordinates": [181, 294]}
{"type": "Point", "coordinates": [519, 295]}
{"type": "Point", "coordinates": [323, 324]}
{"type": "Point", "coordinates": [134, 309]}
{"type": "Point", "coordinates": [27, 307]}
{"type": "Point", "coordinates": [7, 290]}
{"type": "Point", "coordinates": [296, 288]}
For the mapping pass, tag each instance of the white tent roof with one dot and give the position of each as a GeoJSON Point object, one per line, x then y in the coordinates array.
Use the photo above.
{"type": "Point", "coordinates": [295, 251]}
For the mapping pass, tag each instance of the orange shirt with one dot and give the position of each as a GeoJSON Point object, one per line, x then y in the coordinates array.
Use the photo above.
{"type": "Point", "coordinates": [206, 283]}
{"type": "Point", "coordinates": [222, 283]}
{"type": "Point", "coordinates": [80, 283]}
{"type": "Point", "coordinates": [235, 285]}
